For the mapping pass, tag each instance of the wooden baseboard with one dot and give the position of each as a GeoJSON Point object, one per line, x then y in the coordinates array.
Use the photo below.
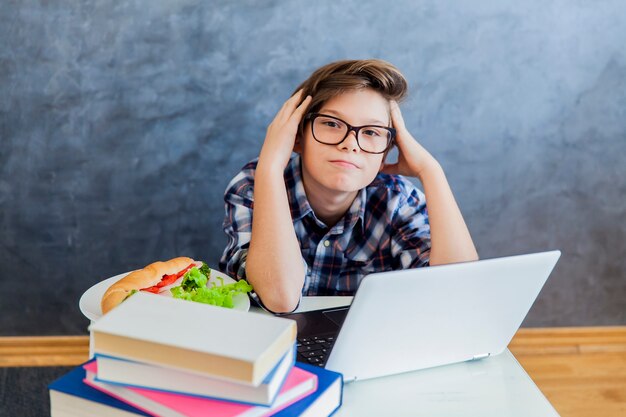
{"type": "Point", "coordinates": [73, 350]}
{"type": "Point", "coordinates": [568, 340]}
{"type": "Point", "coordinates": [43, 350]}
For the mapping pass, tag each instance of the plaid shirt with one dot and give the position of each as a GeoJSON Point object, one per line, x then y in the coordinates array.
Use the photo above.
{"type": "Point", "coordinates": [386, 228]}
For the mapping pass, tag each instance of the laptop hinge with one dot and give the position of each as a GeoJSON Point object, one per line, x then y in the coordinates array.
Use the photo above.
{"type": "Point", "coordinates": [481, 356]}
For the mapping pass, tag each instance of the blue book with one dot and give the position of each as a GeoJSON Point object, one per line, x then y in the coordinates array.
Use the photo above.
{"type": "Point", "coordinates": [119, 371]}
{"type": "Point", "coordinates": [70, 397]}
{"type": "Point", "coordinates": [324, 401]}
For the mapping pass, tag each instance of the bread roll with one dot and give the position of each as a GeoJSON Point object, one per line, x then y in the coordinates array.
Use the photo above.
{"type": "Point", "coordinates": [142, 278]}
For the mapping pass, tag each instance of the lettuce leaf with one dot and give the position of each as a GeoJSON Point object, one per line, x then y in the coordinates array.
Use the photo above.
{"type": "Point", "coordinates": [129, 294]}
{"type": "Point", "coordinates": [194, 279]}
{"type": "Point", "coordinates": [194, 288]}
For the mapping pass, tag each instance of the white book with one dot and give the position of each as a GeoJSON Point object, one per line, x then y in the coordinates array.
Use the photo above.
{"type": "Point", "coordinates": [138, 374]}
{"type": "Point", "coordinates": [194, 337]}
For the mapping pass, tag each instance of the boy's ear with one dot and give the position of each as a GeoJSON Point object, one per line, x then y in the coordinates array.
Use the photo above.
{"type": "Point", "coordinates": [297, 145]}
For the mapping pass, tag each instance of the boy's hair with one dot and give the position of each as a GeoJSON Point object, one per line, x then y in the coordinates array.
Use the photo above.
{"type": "Point", "coordinates": [339, 77]}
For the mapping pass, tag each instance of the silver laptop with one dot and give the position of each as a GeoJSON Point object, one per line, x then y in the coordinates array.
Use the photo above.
{"type": "Point", "coordinates": [413, 319]}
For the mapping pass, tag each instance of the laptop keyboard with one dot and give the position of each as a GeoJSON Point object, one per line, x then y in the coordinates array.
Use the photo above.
{"type": "Point", "coordinates": [315, 349]}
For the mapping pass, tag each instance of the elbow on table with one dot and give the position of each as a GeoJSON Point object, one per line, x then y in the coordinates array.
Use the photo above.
{"type": "Point", "coordinates": [280, 302]}
{"type": "Point", "coordinates": [279, 293]}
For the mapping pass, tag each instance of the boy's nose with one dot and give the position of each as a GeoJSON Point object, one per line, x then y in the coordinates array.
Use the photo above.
{"type": "Point", "coordinates": [350, 143]}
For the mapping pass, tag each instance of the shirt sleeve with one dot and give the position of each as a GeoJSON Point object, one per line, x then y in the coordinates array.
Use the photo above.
{"type": "Point", "coordinates": [410, 240]}
{"type": "Point", "coordinates": [237, 225]}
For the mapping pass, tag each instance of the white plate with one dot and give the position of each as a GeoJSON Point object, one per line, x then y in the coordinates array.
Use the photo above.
{"type": "Point", "coordinates": [89, 303]}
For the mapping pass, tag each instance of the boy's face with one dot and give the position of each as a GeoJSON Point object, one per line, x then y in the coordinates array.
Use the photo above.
{"type": "Point", "coordinates": [344, 167]}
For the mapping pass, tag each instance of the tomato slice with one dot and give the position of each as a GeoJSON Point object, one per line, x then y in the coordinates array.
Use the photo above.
{"type": "Point", "coordinates": [167, 280]}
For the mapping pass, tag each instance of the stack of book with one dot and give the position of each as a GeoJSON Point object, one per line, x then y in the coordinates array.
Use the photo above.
{"type": "Point", "coordinates": [160, 356]}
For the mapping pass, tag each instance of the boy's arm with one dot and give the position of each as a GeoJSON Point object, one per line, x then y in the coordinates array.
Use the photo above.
{"type": "Point", "coordinates": [450, 239]}
{"type": "Point", "coordinates": [237, 225]}
{"type": "Point", "coordinates": [274, 263]}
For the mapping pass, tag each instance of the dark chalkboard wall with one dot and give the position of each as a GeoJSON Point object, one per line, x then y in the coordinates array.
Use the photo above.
{"type": "Point", "coordinates": [121, 122]}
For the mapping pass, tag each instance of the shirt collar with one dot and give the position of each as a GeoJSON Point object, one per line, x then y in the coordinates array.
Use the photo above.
{"type": "Point", "coordinates": [299, 204]}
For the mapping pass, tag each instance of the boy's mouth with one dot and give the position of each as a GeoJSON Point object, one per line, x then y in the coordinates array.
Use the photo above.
{"type": "Point", "coordinates": [344, 163]}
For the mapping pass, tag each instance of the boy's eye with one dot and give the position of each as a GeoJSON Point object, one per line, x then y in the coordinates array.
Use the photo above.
{"type": "Point", "coordinates": [371, 132]}
{"type": "Point", "coordinates": [330, 123]}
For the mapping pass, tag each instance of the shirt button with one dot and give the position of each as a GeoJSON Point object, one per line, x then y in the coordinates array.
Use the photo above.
{"type": "Point", "coordinates": [326, 243]}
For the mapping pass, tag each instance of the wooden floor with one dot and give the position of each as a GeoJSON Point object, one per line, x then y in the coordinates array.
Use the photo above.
{"type": "Point", "coordinates": [581, 370]}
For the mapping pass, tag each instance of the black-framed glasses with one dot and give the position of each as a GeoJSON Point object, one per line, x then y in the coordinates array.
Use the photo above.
{"type": "Point", "coordinates": [331, 130]}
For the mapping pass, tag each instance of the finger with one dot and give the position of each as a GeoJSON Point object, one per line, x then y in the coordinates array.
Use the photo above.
{"type": "Point", "coordinates": [292, 103]}
{"type": "Point", "coordinates": [396, 115]}
{"type": "Point", "coordinates": [302, 108]}
{"type": "Point", "coordinates": [297, 115]}
{"type": "Point", "coordinates": [287, 109]}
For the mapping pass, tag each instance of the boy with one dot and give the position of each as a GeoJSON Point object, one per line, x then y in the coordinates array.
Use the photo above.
{"type": "Point", "coordinates": [334, 212]}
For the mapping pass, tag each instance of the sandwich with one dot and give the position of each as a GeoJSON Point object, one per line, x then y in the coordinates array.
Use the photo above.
{"type": "Point", "coordinates": [180, 277]}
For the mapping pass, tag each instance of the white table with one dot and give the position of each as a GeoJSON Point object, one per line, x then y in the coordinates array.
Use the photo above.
{"type": "Point", "coordinates": [497, 386]}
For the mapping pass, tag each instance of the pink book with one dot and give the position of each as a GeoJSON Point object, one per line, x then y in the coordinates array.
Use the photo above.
{"type": "Point", "coordinates": [299, 384]}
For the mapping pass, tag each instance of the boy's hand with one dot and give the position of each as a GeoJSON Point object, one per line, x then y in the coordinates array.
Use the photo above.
{"type": "Point", "coordinates": [413, 159]}
{"type": "Point", "coordinates": [281, 133]}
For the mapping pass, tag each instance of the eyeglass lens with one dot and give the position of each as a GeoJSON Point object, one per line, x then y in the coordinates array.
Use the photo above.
{"type": "Point", "coordinates": [332, 131]}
